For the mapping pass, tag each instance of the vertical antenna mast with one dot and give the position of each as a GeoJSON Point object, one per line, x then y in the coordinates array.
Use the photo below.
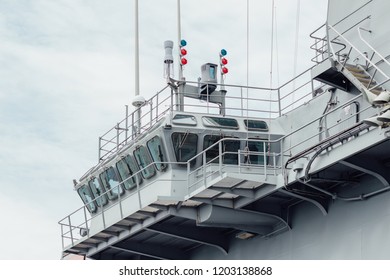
{"type": "Point", "coordinates": [136, 53]}
{"type": "Point", "coordinates": [179, 96]}
{"type": "Point", "coordinates": [247, 43]}
{"type": "Point", "coordinates": [179, 37]}
{"type": "Point", "coordinates": [296, 48]}
{"type": "Point", "coordinates": [136, 58]}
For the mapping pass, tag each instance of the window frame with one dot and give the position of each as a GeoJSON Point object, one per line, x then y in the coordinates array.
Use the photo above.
{"type": "Point", "coordinates": [177, 149]}
{"type": "Point", "coordinates": [214, 159]}
{"type": "Point", "coordinates": [159, 163]}
{"type": "Point", "coordinates": [130, 164]}
{"type": "Point", "coordinates": [148, 172]}
{"type": "Point", "coordinates": [218, 125]}
{"type": "Point", "coordinates": [111, 189]}
{"type": "Point", "coordinates": [247, 122]}
{"type": "Point", "coordinates": [90, 205]}
{"type": "Point", "coordinates": [179, 119]}
{"type": "Point", "coordinates": [101, 199]}
{"type": "Point", "coordinates": [264, 144]}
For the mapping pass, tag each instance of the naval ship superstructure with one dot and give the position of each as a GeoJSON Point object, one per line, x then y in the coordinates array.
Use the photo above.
{"type": "Point", "coordinates": [294, 172]}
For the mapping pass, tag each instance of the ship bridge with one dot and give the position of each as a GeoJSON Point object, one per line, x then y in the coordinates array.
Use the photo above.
{"type": "Point", "coordinates": [186, 175]}
{"type": "Point", "coordinates": [177, 179]}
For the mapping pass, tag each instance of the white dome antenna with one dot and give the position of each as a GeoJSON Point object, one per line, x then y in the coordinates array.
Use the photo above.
{"type": "Point", "coordinates": [138, 101]}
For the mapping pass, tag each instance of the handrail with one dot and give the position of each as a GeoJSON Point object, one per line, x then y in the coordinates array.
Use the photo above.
{"type": "Point", "coordinates": [353, 12]}
{"type": "Point", "coordinates": [357, 50]}
{"type": "Point", "coordinates": [221, 153]}
{"type": "Point", "coordinates": [323, 49]}
{"type": "Point", "coordinates": [370, 46]}
{"type": "Point", "coordinates": [111, 142]}
{"type": "Point", "coordinates": [67, 221]}
{"type": "Point", "coordinates": [134, 191]}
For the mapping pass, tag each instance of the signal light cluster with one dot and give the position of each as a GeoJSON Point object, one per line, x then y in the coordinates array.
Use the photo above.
{"type": "Point", "coordinates": [223, 61]}
{"type": "Point", "coordinates": [183, 52]}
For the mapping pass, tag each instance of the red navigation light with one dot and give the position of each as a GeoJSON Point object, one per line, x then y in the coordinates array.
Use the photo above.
{"type": "Point", "coordinates": [224, 61]}
{"type": "Point", "coordinates": [183, 61]}
{"type": "Point", "coordinates": [183, 51]}
{"type": "Point", "coordinates": [224, 70]}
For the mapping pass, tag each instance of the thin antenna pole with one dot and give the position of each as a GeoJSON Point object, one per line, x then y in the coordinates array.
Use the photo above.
{"type": "Point", "coordinates": [179, 37]}
{"type": "Point", "coordinates": [271, 68]}
{"type": "Point", "coordinates": [136, 52]}
{"type": "Point", "coordinates": [136, 58]}
{"type": "Point", "coordinates": [179, 93]}
{"type": "Point", "coordinates": [272, 42]}
{"type": "Point", "coordinates": [247, 43]}
{"type": "Point", "coordinates": [296, 48]}
{"type": "Point", "coordinates": [247, 66]}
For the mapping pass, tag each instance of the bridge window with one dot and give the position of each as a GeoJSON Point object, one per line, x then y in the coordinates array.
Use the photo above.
{"type": "Point", "coordinates": [87, 198]}
{"type": "Point", "coordinates": [220, 122]}
{"type": "Point", "coordinates": [257, 151]}
{"type": "Point", "coordinates": [229, 149]}
{"type": "Point", "coordinates": [144, 162]}
{"type": "Point", "coordinates": [185, 146]}
{"type": "Point", "coordinates": [98, 191]}
{"type": "Point", "coordinates": [127, 168]}
{"type": "Point", "coordinates": [256, 125]}
{"type": "Point", "coordinates": [111, 182]}
{"type": "Point", "coordinates": [157, 151]}
{"type": "Point", "coordinates": [184, 120]}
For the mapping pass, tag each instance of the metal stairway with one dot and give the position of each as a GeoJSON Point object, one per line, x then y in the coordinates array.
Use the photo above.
{"type": "Point", "coordinates": [343, 76]}
{"type": "Point", "coordinates": [360, 78]}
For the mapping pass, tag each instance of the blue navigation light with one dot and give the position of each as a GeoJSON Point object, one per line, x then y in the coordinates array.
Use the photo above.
{"type": "Point", "coordinates": [223, 52]}
{"type": "Point", "coordinates": [183, 43]}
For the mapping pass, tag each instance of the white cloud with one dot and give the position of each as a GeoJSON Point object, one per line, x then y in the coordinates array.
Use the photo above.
{"type": "Point", "coordinates": [29, 231]}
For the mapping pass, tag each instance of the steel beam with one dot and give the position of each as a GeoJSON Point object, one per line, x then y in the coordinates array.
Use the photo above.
{"type": "Point", "coordinates": [101, 239]}
{"type": "Point", "coordinates": [222, 217]}
{"type": "Point", "coordinates": [126, 234]}
{"type": "Point", "coordinates": [149, 250]}
{"type": "Point", "coordinates": [236, 191]}
{"type": "Point", "coordinates": [320, 205]}
{"type": "Point", "coordinates": [223, 202]}
{"type": "Point", "coordinates": [374, 169]}
{"type": "Point", "coordinates": [197, 235]}
{"type": "Point", "coordinates": [259, 193]}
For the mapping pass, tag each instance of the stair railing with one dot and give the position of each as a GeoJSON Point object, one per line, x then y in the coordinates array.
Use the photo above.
{"type": "Point", "coordinates": [370, 46]}
{"type": "Point", "coordinates": [320, 46]}
{"type": "Point", "coordinates": [362, 55]}
{"type": "Point", "coordinates": [375, 52]}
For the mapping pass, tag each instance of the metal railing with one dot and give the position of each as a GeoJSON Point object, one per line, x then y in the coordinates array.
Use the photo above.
{"type": "Point", "coordinates": [269, 163]}
{"type": "Point", "coordinates": [321, 46]}
{"type": "Point", "coordinates": [79, 220]}
{"type": "Point", "coordinates": [126, 130]}
{"type": "Point", "coordinates": [362, 55]}
{"type": "Point", "coordinates": [241, 101]}
{"type": "Point", "coordinates": [77, 224]}
{"type": "Point", "coordinates": [326, 46]}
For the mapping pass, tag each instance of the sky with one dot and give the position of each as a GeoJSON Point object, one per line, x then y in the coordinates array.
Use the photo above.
{"type": "Point", "coordinates": [67, 72]}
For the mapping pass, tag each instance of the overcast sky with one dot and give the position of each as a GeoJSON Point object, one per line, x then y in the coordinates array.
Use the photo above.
{"type": "Point", "coordinates": [66, 72]}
